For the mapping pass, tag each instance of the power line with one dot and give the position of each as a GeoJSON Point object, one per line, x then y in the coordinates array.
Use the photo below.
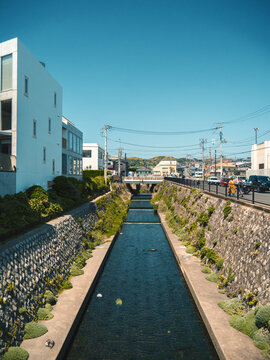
{"type": "Point", "coordinates": [145, 132]}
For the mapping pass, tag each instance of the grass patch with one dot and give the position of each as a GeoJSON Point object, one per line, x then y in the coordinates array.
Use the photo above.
{"type": "Point", "coordinates": [44, 314]}
{"type": "Point", "coordinates": [206, 270]}
{"type": "Point", "coordinates": [245, 324]}
{"type": "Point", "coordinates": [190, 249]}
{"type": "Point", "coordinates": [75, 270]}
{"type": "Point", "coordinates": [232, 306]}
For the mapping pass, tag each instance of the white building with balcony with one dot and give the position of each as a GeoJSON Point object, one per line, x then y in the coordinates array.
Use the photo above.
{"type": "Point", "coordinates": [30, 120]}
{"type": "Point", "coordinates": [260, 159]}
{"type": "Point", "coordinates": [93, 156]}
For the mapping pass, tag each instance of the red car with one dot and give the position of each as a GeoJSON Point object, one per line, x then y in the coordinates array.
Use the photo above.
{"type": "Point", "coordinates": [224, 181]}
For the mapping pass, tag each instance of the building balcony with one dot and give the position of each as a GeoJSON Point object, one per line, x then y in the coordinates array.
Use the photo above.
{"type": "Point", "coordinates": [7, 163]}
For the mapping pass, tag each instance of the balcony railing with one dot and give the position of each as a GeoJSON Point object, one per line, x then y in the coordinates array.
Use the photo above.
{"type": "Point", "coordinates": [7, 163]}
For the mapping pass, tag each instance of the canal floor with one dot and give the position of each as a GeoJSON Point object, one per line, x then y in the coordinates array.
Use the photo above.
{"type": "Point", "coordinates": [141, 307]}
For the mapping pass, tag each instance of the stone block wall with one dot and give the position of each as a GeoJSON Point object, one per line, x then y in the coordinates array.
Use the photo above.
{"type": "Point", "coordinates": [242, 238]}
{"type": "Point", "coordinates": [29, 262]}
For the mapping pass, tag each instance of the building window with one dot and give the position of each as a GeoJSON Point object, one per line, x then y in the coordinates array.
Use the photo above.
{"type": "Point", "coordinates": [6, 122]}
{"type": "Point", "coordinates": [70, 165]}
{"type": "Point", "coordinates": [49, 125]}
{"type": "Point", "coordinates": [70, 140]}
{"type": "Point", "coordinates": [44, 154]}
{"type": "Point", "coordinates": [25, 85]}
{"type": "Point", "coordinates": [73, 143]}
{"type": "Point", "coordinates": [64, 164]}
{"type": "Point", "coordinates": [261, 166]}
{"type": "Point", "coordinates": [54, 100]}
{"type": "Point", "coordinates": [6, 72]}
{"type": "Point", "coordinates": [87, 153]}
{"type": "Point", "coordinates": [53, 166]}
{"type": "Point", "coordinates": [34, 128]}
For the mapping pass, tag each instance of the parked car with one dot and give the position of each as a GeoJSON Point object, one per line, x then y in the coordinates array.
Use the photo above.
{"type": "Point", "coordinates": [213, 180]}
{"type": "Point", "coordinates": [260, 182]}
{"type": "Point", "coordinates": [224, 181]}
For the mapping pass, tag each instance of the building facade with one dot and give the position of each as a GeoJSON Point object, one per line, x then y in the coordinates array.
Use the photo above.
{"type": "Point", "coordinates": [260, 159]}
{"type": "Point", "coordinates": [93, 157]}
{"type": "Point", "coordinates": [30, 120]}
{"type": "Point", "coordinates": [166, 168]}
{"type": "Point", "coordinates": [72, 140]}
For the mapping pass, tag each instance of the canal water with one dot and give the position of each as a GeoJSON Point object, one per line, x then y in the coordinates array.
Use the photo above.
{"type": "Point", "coordinates": [141, 307]}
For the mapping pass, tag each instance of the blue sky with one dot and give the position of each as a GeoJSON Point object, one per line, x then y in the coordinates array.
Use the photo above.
{"type": "Point", "coordinates": [154, 65]}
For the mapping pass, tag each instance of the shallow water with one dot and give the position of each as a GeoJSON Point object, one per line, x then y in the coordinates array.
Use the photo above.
{"type": "Point", "coordinates": [146, 311]}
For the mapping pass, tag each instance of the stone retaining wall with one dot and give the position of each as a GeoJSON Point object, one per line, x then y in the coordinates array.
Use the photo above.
{"type": "Point", "coordinates": [28, 263]}
{"type": "Point", "coordinates": [242, 239]}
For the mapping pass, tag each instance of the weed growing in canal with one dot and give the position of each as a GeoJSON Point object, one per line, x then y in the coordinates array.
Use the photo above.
{"type": "Point", "coordinates": [227, 209]}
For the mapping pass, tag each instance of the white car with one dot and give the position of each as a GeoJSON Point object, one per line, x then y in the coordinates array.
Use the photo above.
{"type": "Point", "coordinates": [213, 180]}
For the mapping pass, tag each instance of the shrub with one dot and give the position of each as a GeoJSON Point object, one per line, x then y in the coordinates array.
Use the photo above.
{"type": "Point", "coordinates": [66, 284]}
{"type": "Point", "coordinates": [245, 324]}
{"type": "Point", "coordinates": [75, 270]}
{"type": "Point", "coordinates": [22, 310]}
{"type": "Point", "coordinates": [80, 261]}
{"type": "Point", "coordinates": [15, 353]}
{"type": "Point", "coordinates": [203, 218]}
{"type": "Point", "coordinates": [212, 277]}
{"type": "Point", "coordinates": [262, 317]}
{"type": "Point", "coordinates": [220, 263]}
{"type": "Point", "coordinates": [257, 245]}
{"type": "Point", "coordinates": [44, 314]}
{"type": "Point", "coordinates": [210, 210]}
{"type": "Point", "coordinates": [206, 270]}
{"type": "Point", "coordinates": [232, 306]}
{"type": "Point", "coordinates": [33, 330]}
{"type": "Point", "coordinates": [48, 306]}
{"type": "Point", "coordinates": [227, 209]}
{"type": "Point", "coordinates": [190, 249]}
{"type": "Point", "coordinates": [50, 298]}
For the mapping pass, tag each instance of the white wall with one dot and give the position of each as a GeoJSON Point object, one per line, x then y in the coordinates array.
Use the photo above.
{"type": "Point", "coordinates": [95, 162]}
{"type": "Point", "coordinates": [39, 105]}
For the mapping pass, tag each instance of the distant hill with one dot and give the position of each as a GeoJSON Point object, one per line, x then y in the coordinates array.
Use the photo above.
{"type": "Point", "coordinates": [140, 162]}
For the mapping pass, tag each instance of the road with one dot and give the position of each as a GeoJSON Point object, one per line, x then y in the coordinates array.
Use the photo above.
{"type": "Point", "coordinates": [259, 198]}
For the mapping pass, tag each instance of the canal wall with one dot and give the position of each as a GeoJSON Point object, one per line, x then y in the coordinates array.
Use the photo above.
{"type": "Point", "coordinates": [232, 238]}
{"type": "Point", "coordinates": [32, 261]}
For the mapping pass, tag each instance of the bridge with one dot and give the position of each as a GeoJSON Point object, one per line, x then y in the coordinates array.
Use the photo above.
{"type": "Point", "coordinates": [143, 179]}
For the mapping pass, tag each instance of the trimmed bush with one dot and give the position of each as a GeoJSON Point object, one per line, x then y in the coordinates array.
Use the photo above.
{"type": "Point", "coordinates": [232, 306]}
{"type": "Point", "coordinates": [206, 270]}
{"type": "Point", "coordinates": [44, 314]}
{"type": "Point", "coordinates": [66, 284]}
{"type": "Point", "coordinates": [33, 330]}
{"type": "Point", "coordinates": [50, 298]}
{"type": "Point", "coordinates": [48, 306]}
{"type": "Point", "coordinates": [262, 317]}
{"type": "Point", "coordinates": [190, 249]}
{"type": "Point", "coordinates": [212, 277]}
{"type": "Point", "coordinates": [245, 324]}
{"type": "Point", "coordinates": [75, 270]}
{"type": "Point", "coordinates": [16, 353]}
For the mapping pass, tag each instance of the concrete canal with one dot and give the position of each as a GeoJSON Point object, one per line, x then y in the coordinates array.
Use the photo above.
{"type": "Point", "coordinates": [141, 307]}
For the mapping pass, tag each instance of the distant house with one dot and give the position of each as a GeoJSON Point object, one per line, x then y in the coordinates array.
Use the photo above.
{"type": "Point", "coordinates": [93, 156]}
{"type": "Point", "coordinates": [143, 171]}
{"type": "Point", "coordinates": [72, 139]}
{"type": "Point", "coordinates": [113, 166]}
{"type": "Point", "coordinates": [166, 168]}
{"type": "Point", "coordinates": [30, 120]}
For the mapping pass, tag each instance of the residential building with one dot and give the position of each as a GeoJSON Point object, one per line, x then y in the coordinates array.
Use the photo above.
{"type": "Point", "coordinates": [30, 120]}
{"type": "Point", "coordinates": [166, 168]}
{"type": "Point", "coordinates": [93, 156]}
{"type": "Point", "coordinates": [260, 159]}
{"type": "Point", "coordinates": [143, 171]}
{"type": "Point", "coordinates": [72, 139]}
{"type": "Point", "coordinates": [113, 166]}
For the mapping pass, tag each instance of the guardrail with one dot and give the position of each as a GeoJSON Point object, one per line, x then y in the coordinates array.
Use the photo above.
{"type": "Point", "coordinates": [242, 193]}
{"type": "Point", "coordinates": [7, 163]}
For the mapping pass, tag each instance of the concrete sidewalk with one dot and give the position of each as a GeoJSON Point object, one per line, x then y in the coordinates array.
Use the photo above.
{"type": "Point", "coordinates": [70, 305]}
{"type": "Point", "coordinates": [230, 344]}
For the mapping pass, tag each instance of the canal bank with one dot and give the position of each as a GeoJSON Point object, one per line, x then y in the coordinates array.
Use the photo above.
{"type": "Point", "coordinates": [68, 306]}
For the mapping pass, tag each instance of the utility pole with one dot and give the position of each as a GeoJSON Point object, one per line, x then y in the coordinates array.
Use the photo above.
{"type": "Point", "coordinates": [215, 162]}
{"type": "Point", "coordinates": [256, 139]}
{"type": "Point", "coordinates": [105, 158]}
{"type": "Point", "coordinates": [221, 157]}
{"type": "Point", "coordinates": [119, 159]}
{"type": "Point", "coordinates": [203, 142]}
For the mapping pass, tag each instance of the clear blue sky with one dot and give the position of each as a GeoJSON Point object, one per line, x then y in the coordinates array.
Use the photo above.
{"type": "Point", "coordinates": [162, 65]}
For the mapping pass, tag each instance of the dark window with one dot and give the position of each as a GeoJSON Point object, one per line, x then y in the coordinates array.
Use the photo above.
{"type": "Point", "coordinates": [261, 166]}
{"type": "Point", "coordinates": [87, 153]}
{"type": "Point", "coordinates": [34, 128]}
{"type": "Point", "coordinates": [64, 164]}
{"type": "Point", "coordinates": [5, 115]}
{"type": "Point", "coordinates": [25, 85]}
{"type": "Point", "coordinates": [49, 125]}
{"type": "Point", "coordinates": [55, 99]}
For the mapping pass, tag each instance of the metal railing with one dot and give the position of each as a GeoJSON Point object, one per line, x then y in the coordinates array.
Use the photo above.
{"type": "Point", "coordinates": [7, 163]}
{"type": "Point", "coordinates": [249, 193]}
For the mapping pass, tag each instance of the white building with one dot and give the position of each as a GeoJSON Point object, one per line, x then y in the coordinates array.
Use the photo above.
{"type": "Point", "coordinates": [30, 120]}
{"type": "Point", "coordinates": [260, 159]}
{"type": "Point", "coordinates": [166, 168]}
{"type": "Point", "coordinates": [93, 157]}
{"type": "Point", "coordinates": [71, 149]}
